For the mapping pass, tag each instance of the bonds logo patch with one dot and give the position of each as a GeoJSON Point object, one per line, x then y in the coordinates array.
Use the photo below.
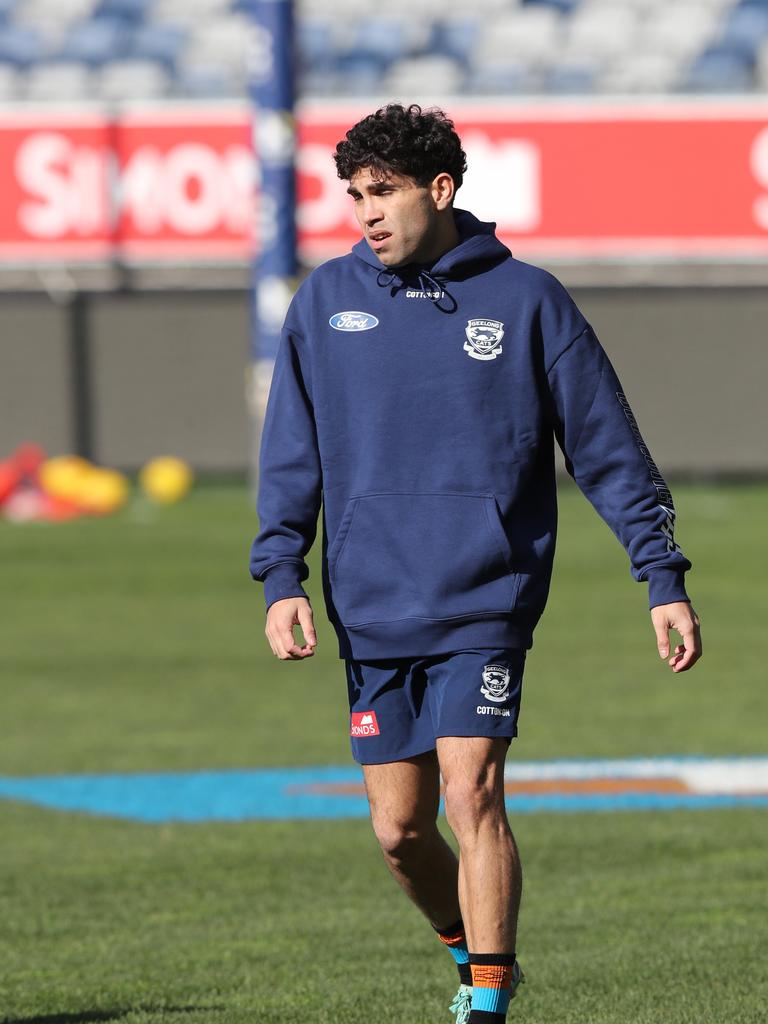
{"type": "Point", "coordinates": [364, 723]}
{"type": "Point", "coordinates": [495, 683]}
{"type": "Point", "coordinates": [353, 320]}
{"type": "Point", "coordinates": [483, 338]}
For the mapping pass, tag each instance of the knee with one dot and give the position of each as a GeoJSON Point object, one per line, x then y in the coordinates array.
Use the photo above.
{"type": "Point", "coordinates": [402, 840]}
{"type": "Point", "coordinates": [473, 802]}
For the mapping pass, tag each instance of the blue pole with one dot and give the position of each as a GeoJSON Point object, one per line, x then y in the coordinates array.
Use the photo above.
{"type": "Point", "coordinates": [271, 88]}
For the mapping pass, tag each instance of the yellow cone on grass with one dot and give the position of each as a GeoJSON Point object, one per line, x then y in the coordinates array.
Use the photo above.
{"type": "Point", "coordinates": [103, 491]}
{"type": "Point", "coordinates": [166, 479]}
{"type": "Point", "coordinates": [91, 489]}
{"type": "Point", "coordinates": [64, 475]}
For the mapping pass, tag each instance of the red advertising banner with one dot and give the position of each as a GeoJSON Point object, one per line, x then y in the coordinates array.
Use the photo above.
{"type": "Point", "coordinates": [174, 184]}
{"type": "Point", "coordinates": [54, 200]}
{"type": "Point", "coordinates": [576, 180]}
{"type": "Point", "coordinates": [686, 179]}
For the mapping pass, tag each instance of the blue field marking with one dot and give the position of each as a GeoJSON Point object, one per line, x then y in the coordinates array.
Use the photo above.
{"type": "Point", "coordinates": [195, 796]}
{"type": "Point", "coordinates": [336, 792]}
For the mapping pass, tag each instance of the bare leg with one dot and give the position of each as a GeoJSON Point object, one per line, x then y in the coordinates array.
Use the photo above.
{"type": "Point", "coordinates": [490, 874]}
{"type": "Point", "coordinates": [404, 799]}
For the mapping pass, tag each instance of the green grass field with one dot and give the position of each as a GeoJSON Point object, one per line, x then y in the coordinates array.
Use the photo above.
{"type": "Point", "coordinates": [137, 644]}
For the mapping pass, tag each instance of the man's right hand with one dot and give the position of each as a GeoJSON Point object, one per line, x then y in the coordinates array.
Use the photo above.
{"type": "Point", "coordinates": [281, 618]}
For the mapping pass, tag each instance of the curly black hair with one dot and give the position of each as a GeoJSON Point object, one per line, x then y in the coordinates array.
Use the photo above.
{"type": "Point", "coordinates": [407, 140]}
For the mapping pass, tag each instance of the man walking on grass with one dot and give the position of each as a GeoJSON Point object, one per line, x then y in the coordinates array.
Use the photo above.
{"type": "Point", "coordinates": [421, 382]}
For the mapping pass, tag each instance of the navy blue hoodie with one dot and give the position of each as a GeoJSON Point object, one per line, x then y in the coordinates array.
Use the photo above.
{"type": "Point", "coordinates": [419, 407]}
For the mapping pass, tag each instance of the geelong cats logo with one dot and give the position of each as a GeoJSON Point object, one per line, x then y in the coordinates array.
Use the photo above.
{"type": "Point", "coordinates": [495, 683]}
{"type": "Point", "coordinates": [483, 338]}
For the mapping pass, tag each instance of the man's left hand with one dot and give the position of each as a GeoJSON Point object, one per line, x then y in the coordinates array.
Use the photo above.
{"type": "Point", "coordinates": [681, 617]}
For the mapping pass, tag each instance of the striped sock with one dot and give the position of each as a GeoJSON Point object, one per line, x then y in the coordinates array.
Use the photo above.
{"type": "Point", "coordinates": [456, 941]}
{"type": "Point", "coordinates": [491, 983]}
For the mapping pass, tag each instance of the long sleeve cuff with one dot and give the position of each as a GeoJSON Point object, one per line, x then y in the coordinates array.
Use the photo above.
{"type": "Point", "coordinates": [665, 586]}
{"type": "Point", "coordinates": [283, 580]}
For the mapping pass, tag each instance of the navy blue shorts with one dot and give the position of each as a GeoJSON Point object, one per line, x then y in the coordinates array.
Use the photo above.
{"type": "Point", "coordinates": [399, 706]}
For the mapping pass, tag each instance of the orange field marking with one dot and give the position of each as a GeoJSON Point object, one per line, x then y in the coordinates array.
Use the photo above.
{"type": "Point", "coordinates": [535, 786]}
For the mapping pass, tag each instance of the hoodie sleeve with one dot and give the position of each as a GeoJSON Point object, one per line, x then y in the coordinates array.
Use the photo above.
{"type": "Point", "coordinates": [607, 457]}
{"type": "Point", "coordinates": [290, 479]}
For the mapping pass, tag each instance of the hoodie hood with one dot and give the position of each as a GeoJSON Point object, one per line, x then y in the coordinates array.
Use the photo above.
{"type": "Point", "coordinates": [478, 246]}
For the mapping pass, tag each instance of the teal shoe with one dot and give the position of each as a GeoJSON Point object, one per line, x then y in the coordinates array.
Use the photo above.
{"type": "Point", "coordinates": [462, 1001]}
{"type": "Point", "coordinates": [462, 1004]}
{"type": "Point", "coordinates": [518, 978]}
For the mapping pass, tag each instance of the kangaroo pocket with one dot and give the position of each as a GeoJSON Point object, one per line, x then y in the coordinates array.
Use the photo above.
{"type": "Point", "coordinates": [432, 556]}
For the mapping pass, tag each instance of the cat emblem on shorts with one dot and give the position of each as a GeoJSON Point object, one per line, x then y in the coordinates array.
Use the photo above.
{"type": "Point", "coordinates": [495, 683]}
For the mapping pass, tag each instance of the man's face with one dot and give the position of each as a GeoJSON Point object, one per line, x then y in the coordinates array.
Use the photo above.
{"type": "Point", "coordinates": [399, 219]}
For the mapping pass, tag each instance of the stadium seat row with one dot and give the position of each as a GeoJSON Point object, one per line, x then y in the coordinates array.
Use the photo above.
{"type": "Point", "coordinates": [128, 49]}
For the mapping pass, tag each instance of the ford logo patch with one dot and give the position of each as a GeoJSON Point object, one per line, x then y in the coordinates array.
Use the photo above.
{"type": "Point", "coordinates": [353, 320]}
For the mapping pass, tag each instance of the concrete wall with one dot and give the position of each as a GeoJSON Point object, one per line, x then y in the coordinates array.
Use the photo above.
{"type": "Point", "coordinates": [693, 363]}
{"type": "Point", "coordinates": [168, 374]}
{"type": "Point", "coordinates": [34, 377]}
{"type": "Point", "coordinates": [168, 377]}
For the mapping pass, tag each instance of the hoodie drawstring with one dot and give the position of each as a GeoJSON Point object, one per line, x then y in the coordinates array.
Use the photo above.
{"type": "Point", "coordinates": [385, 278]}
{"type": "Point", "coordinates": [435, 289]}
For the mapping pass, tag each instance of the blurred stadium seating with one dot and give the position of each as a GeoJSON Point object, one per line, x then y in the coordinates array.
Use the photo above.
{"type": "Point", "coordinates": [137, 49]}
